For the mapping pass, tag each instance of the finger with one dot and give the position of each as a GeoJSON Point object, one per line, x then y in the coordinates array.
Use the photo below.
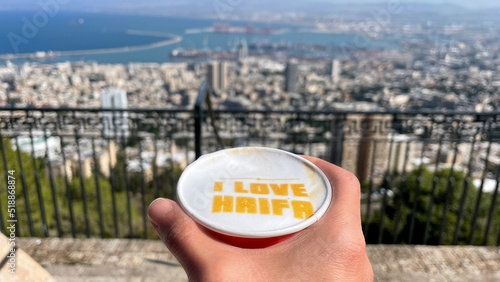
{"type": "Point", "coordinates": [183, 237]}
{"type": "Point", "coordinates": [346, 195]}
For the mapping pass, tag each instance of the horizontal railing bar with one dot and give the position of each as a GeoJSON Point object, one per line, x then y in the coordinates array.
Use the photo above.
{"type": "Point", "coordinates": [140, 110]}
{"type": "Point", "coordinates": [294, 112]}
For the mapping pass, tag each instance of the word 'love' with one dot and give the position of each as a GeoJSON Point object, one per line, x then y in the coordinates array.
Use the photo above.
{"type": "Point", "coordinates": [263, 205]}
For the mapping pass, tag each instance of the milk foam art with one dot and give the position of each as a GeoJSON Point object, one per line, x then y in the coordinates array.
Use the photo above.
{"type": "Point", "coordinates": [253, 196]}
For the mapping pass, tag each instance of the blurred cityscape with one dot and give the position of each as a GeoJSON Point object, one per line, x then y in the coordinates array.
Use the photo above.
{"type": "Point", "coordinates": [457, 70]}
{"type": "Point", "coordinates": [458, 74]}
{"type": "Point", "coordinates": [431, 103]}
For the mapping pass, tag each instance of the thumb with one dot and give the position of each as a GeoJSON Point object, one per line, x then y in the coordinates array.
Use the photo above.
{"type": "Point", "coordinates": [182, 236]}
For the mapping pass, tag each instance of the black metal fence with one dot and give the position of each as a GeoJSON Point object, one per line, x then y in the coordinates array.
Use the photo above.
{"type": "Point", "coordinates": [427, 177]}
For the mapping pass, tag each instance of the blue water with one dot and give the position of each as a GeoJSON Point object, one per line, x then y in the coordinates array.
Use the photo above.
{"type": "Point", "coordinates": [63, 32]}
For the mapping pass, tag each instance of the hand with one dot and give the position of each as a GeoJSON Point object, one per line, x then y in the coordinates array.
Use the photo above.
{"type": "Point", "coordinates": [332, 249]}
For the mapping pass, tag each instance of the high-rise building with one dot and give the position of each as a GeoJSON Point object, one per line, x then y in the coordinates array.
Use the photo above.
{"type": "Point", "coordinates": [243, 50]}
{"type": "Point", "coordinates": [292, 76]}
{"type": "Point", "coordinates": [115, 124]}
{"type": "Point", "coordinates": [335, 69]}
{"type": "Point", "coordinates": [9, 100]}
{"type": "Point", "coordinates": [217, 75]}
{"type": "Point", "coordinates": [358, 145]}
{"type": "Point", "coordinates": [223, 76]}
{"type": "Point", "coordinates": [213, 75]}
{"type": "Point", "coordinates": [242, 67]}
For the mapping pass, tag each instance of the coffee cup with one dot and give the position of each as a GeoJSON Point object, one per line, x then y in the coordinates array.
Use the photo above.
{"type": "Point", "coordinates": [253, 197]}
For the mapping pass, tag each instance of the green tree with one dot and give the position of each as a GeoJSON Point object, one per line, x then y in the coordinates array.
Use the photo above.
{"type": "Point", "coordinates": [159, 181]}
{"type": "Point", "coordinates": [400, 207]}
{"type": "Point", "coordinates": [107, 209]}
{"type": "Point", "coordinates": [29, 192]}
{"type": "Point", "coordinates": [26, 191]}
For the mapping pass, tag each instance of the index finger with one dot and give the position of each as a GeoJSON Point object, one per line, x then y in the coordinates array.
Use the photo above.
{"type": "Point", "coordinates": [346, 200]}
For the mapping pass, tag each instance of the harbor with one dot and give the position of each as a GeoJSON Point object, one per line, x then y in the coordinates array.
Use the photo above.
{"type": "Point", "coordinates": [40, 55]}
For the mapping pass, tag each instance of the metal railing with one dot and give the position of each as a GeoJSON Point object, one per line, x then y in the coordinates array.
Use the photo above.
{"type": "Point", "coordinates": [426, 177]}
{"type": "Point", "coordinates": [91, 172]}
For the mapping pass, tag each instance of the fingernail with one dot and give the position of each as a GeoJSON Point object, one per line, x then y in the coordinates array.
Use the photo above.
{"type": "Point", "coordinates": [155, 200]}
{"type": "Point", "coordinates": [157, 209]}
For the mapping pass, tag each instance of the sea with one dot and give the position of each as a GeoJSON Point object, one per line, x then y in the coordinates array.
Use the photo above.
{"type": "Point", "coordinates": [67, 31]}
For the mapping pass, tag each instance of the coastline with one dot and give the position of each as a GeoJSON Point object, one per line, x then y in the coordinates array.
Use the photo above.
{"type": "Point", "coordinates": [172, 38]}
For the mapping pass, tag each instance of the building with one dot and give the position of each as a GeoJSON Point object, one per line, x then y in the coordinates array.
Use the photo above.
{"type": "Point", "coordinates": [115, 124]}
{"type": "Point", "coordinates": [292, 76]}
{"type": "Point", "coordinates": [402, 151]}
{"type": "Point", "coordinates": [223, 80]}
{"type": "Point", "coordinates": [38, 144]}
{"type": "Point", "coordinates": [335, 69]}
{"type": "Point", "coordinates": [217, 75]}
{"type": "Point", "coordinates": [213, 75]}
{"type": "Point", "coordinates": [242, 50]}
{"type": "Point", "coordinates": [361, 146]}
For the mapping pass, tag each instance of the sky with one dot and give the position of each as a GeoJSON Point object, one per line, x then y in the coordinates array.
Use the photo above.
{"type": "Point", "coordinates": [464, 3]}
{"type": "Point", "coordinates": [96, 4]}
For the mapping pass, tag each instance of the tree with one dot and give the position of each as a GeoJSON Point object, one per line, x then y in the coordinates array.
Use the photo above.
{"type": "Point", "coordinates": [26, 191]}
{"type": "Point", "coordinates": [446, 206]}
{"type": "Point", "coordinates": [71, 211]}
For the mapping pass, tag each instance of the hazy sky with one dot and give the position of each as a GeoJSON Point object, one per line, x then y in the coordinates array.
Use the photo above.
{"type": "Point", "coordinates": [465, 3]}
{"type": "Point", "coordinates": [135, 3]}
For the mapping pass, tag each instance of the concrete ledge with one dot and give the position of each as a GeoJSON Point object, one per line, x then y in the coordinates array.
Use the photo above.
{"type": "Point", "coordinates": [434, 263]}
{"type": "Point", "coordinates": [104, 260]}
{"type": "Point", "coordinates": [16, 265]}
{"type": "Point", "coordinates": [148, 260]}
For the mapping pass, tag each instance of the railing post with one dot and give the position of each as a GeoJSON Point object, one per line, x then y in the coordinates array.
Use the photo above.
{"type": "Point", "coordinates": [198, 118]}
{"type": "Point", "coordinates": [197, 130]}
{"type": "Point", "coordinates": [337, 130]}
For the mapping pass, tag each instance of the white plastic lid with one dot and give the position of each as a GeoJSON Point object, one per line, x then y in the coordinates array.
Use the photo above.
{"type": "Point", "coordinates": [254, 192]}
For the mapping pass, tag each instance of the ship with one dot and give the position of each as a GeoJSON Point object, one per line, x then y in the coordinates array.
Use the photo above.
{"type": "Point", "coordinates": [220, 27]}
{"type": "Point", "coordinates": [43, 55]}
{"type": "Point", "coordinates": [180, 53]}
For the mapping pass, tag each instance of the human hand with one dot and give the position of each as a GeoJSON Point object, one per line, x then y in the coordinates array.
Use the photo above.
{"type": "Point", "coordinates": [331, 249]}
